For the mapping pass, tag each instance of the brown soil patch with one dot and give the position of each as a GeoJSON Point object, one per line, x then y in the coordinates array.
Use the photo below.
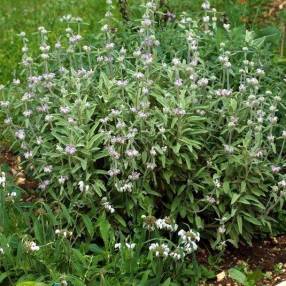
{"type": "Point", "coordinates": [263, 256]}
{"type": "Point", "coordinates": [274, 7]}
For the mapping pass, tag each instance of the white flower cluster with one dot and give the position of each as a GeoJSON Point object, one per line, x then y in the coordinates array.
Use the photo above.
{"type": "Point", "coordinates": [3, 180]}
{"type": "Point", "coordinates": [160, 249]}
{"type": "Point", "coordinates": [83, 187]}
{"type": "Point", "coordinates": [189, 239]}
{"type": "Point", "coordinates": [124, 186]}
{"type": "Point", "coordinates": [107, 205]}
{"type": "Point", "coordinates": [64, 233]}
{"type": "Point", "coordinates": [31, 246]}
{"type": "Point", "coordinates": [151, 223]}
{"type": "Point", "coordinates": [166, 224]}
{"type": "Point", "coordinates": [186, 245]}
{"type": "Point", "coordinates": [126, 244]}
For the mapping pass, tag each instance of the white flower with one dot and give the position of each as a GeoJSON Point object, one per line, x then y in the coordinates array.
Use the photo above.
{"type": "Point", "coordinates": [33, 246]}
{"type": "Point", "coordinates": [178, 253]}
{"type": "Point", "coordinates": [228, 148]}
{"type": "Point", "coordinates": [48, 169]}
{"type": "Point", "coordinates": [203, 82]}
{"type": "Point", "coordinates": [270, 138]}
{"type": "Point", "coordinates": [282, 184]}
{"type": "Point", "coordinates": [137, 53]}
{"type": "Point", "coordinates": [189, 236]}
{"type": "Point", "coordinates": [224, 92]}
{"type": "Point", "coordinates": [179, 111]}
{"type": "Point", "coordinates": [48, 118]}
{"type": "Point", "coordinates": [166, 224]}
{"type": "Point", "coordinates": [3, 179]}
{"type": "Point", "coordinates": [108, 207]}
{"type": "Point", "coordinates": [86, 48]}
{"type": "Point", "coordinates": [113, 172]}
{"type": "Point", "coordinates": [221, 229]}
{"type": "Point", "coordinates": [131, 153]}
{"type": "Point", "coordinates": [4, 103]}
{"type": "Point", "coordinates": [42, 30]}
{"type": "Point", "coordinates": [130, 245]}
{"type": "Point", "coordinates": [178, 82]}
{"type": "Point", "coordinates": [109, 46]}
{"type": "Point", "coordinates": [43, 185]}
{"type": "Point", "coordinates": [8, 120]}
{"type": "Point", "coordinates": [153, 151]}
{"type": "Point", "coordinates": [210, 199]}
{"type": "Point", "coordinates": [20, 134]}
{"type": "Point", "coordinates": [70, 149]}
{"type": "Point", "coordinates": [27, 113]}
{"type": "Point", "coordinates": [275, 169]}
{"type": "Point", "coordinates": [113, 153]}
{"type": "Point", "coordinates": [39, 140]}
{"type": "Point", "coordinates": [252, 81]}
{"type": "Point", "coordinates": [260, 72]}
{"type": "Point", "coordinates": [206, 5]}
{"type": "Point", "coordinates": [83, 187]}
{"type": "Point", "coordinates": [206, 19]}
{"type": "Point", "coordinates": [126, 187]}
{"type": "Point", "coordinates": [160, 250]}
{"type": "Point", "coordinates": [117, 245]}
{"type": "Point", "coordinates": [13, 194]}
{"type": "Point", "coordinates": [122, 83]}
{"type": "Point", "coordinates": [146, 22]}
{"type": "Point", "coordinates": [226, 26]}
{"type": "Point", "coordinates": [105, 28]}
{"type": "Point", "coordinates": [176, 61]}
{"type": "Point", "coordinates": [28, 154]}
{"type": "Point", "coordinates": [134, 176]}
{"type": "Point", "coordinates": [62, 179]}
{"type": "Point", "coordinates": [139, 75]}
{"type": "Point", "coordinates": [58, 45]}
{"type": "Point", "coordinates": [22, 34]}
{"type": "Point", "coordinates": [64, 109]}
{"type": "Point", "coordinates": [16, 81]}
{"type": "Point", "coordinates": [190, 247]}
{"type": "Point", "coordinates": [217, 183]}
{"type": "Point", "coordinates": [74, 39]}
{"type": "Point", "coordinates": [151, 166]}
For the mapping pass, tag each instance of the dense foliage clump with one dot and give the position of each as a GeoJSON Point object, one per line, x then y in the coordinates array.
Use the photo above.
{"type": "Point", "coordinates": [145, 141]}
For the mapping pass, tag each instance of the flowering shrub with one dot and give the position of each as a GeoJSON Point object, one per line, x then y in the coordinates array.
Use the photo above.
{"type": "Point", "coordinates": [180, 124]}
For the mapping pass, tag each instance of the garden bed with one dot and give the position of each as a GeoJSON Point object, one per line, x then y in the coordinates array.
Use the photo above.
{"type": "Point", "coordinates": [265, 260]}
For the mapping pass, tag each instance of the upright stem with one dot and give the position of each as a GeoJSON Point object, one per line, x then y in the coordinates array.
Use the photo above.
{"type": "Point", "coordinates": [283, 40]}
{"type": "Point", "coordinates": [282, 148]}
{"type": "Point", "coordinates": [123, 9]}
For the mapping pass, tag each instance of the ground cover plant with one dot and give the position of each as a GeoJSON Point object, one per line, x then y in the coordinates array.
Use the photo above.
{"type": "Point", "coordinates": [158, 136]}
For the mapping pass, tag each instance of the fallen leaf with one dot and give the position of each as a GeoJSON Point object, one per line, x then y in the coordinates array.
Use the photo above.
{"type": "Point", "coordinates": [20, 181]}
{"type": "Point", "coordinates": [220, 276]}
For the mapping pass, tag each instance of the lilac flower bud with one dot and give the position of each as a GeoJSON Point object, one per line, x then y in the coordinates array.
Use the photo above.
{"type": "Point", "coordinates": [70, 149]}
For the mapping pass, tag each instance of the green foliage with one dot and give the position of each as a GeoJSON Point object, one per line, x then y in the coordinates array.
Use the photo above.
{"type": "Point", "coordinates": [30, 283]}
{"type": "Point", "coordinates": [249, 278]}
{"type": "Point", "coordinates": [152, 130]}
